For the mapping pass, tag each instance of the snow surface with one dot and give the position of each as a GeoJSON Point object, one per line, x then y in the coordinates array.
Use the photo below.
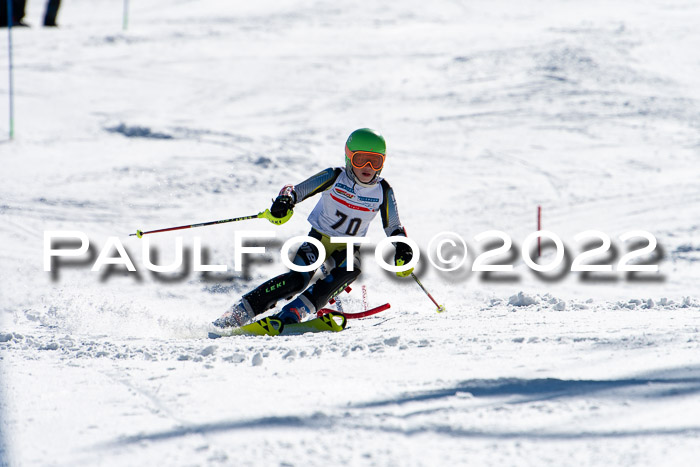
{"type": "Point", "coordinates": [202, 110]}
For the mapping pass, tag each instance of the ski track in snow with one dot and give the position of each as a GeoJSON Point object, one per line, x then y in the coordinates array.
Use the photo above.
{"type": "Point", "coordinates": [201, 111]}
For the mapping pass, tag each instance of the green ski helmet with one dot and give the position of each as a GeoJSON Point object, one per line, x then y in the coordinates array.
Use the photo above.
{"type": "Point", "coordinates": [364, 140]}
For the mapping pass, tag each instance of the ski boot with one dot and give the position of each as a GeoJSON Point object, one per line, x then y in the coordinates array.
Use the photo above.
{"type": "Point", "coordinates": [237, 316]}
{"type": "Point", "coordinates": [295, 311]}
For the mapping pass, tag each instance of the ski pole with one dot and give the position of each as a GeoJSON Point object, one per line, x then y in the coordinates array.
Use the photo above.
{"type": "Point", "coordinates": [262, 215]}
{"type": "Point", "coordinates": [10, 67]}
{"type": "Point", "coordinates": [125, 16]}
{"type": "Point", "coordinates": [440, 308]}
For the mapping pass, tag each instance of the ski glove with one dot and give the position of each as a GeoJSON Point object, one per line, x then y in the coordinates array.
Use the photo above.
{"type": "Point", "coordinates": [281, 205]}
{"type": "Point", "coordinates": [403, 255]}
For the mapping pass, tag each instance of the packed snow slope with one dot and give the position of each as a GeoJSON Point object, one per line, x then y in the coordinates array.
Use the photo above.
{"type": "Point", "coordinates": [203, 110]}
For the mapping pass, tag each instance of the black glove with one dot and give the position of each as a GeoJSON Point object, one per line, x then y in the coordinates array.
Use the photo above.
{"type": "Point", "coordinates": [403, 255]}
{"type": "Point", "coordinates": [404, 252]}
{"type": "Point", "coordinates": [281, 205]}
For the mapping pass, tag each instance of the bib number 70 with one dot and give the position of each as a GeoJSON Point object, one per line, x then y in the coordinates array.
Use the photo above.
{"type": "Point", "coordinates": [353, 224]}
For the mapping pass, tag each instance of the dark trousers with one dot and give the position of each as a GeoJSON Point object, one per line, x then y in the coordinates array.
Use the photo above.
{"type": "Point", "coordinates": [18, 12]}
{"type": "Point", "coordinates": [286, 285]}
{"type": "Point", "coordinates": [51, 12]}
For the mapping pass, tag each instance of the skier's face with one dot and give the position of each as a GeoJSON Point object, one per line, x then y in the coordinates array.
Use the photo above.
{"type": "Point", "coordinates": [365, 174]}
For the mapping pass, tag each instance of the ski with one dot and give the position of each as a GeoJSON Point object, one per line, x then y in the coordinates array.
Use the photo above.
{"type": "Point", "coordinates": [263, 327]}
{"type": "Point", "coordinates": [334, 322]}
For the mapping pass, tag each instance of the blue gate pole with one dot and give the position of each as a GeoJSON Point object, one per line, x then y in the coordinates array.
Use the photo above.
{"type": "Point", "coordinates": [9, 45]}
{"type": "Point", "coordinates": [125, 23]}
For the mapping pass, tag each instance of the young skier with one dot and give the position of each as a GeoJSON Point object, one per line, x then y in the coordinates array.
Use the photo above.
{"type": "Point", "coordinates": [350, 198]}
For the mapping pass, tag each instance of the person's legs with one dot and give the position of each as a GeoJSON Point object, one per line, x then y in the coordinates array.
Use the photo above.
{"type": "Point", "coordinates": [18, 8]}
{"type": "Point", "coordinates": [266, 295]}
{"type": "Point", "coordinates": [51, 12]}
{"type": "Point", "coordinates": [324, 289]}
{"type": "Point", "coordinates": [3, 13]}
{"type": "Point", "coordinates": [335, 282]}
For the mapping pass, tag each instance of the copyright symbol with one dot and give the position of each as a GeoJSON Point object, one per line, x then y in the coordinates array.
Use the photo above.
{"type": "Point", "coordinates": [438, 245]}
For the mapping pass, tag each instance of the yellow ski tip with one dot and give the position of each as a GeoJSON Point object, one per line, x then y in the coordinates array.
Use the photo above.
{"type": "Point", "coordinates": [441, 309]}
{"type": "Point", "coordinates": [139, 233]}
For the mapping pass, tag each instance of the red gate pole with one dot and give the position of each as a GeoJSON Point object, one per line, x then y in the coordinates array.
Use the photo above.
{"type": "Point", "coordinates": [539, 227]}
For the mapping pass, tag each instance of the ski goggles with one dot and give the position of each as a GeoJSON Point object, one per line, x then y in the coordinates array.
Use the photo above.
{"type": "Point", "coordinates": [359, 159]}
